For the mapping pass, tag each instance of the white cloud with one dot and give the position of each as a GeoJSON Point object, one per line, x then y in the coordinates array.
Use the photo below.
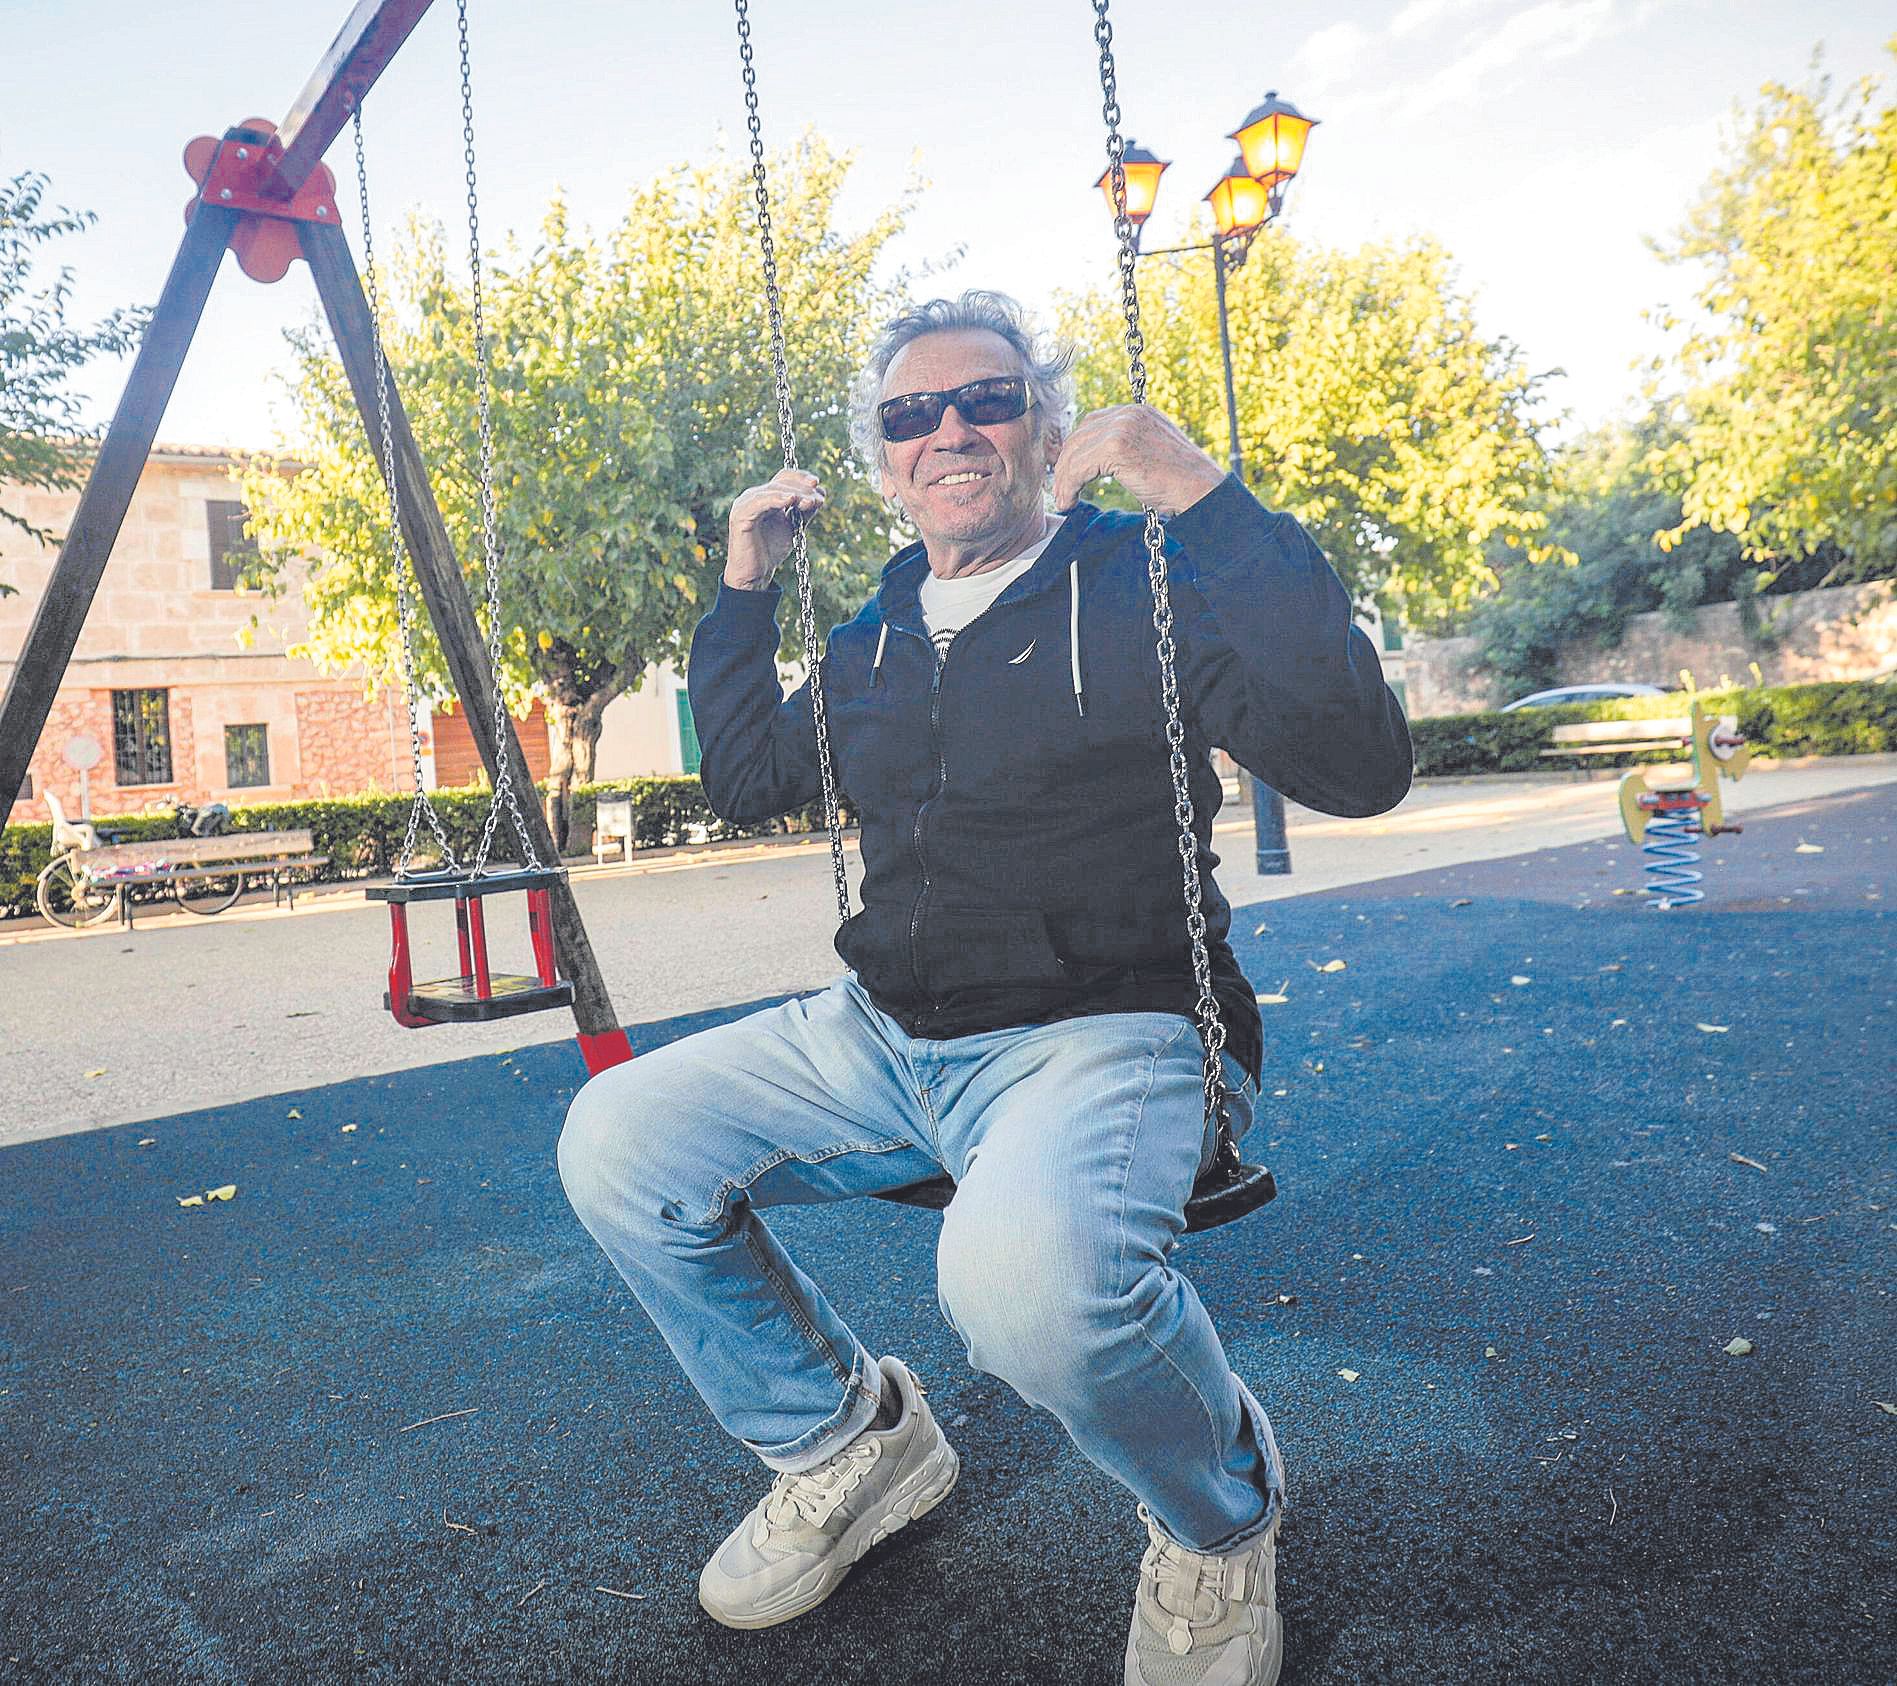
{"type": "Point", "coordinates": [1556, 29]}
{"type": "Point", "coordinates": [1419, 15]}
{"type": "Point", "coordinates": [1329, 56]}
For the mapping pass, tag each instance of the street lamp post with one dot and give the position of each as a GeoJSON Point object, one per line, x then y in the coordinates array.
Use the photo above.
{"type": "Point", "coordinates": [1248, 196]}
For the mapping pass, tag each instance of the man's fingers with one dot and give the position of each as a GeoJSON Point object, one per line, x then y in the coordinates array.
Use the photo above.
{"type": "Point", "coordinates": [762, 502]}
{"type": "Point", "coordinates": [1078, 463]}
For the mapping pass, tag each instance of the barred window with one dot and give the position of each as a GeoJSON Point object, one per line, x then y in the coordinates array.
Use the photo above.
{"type": "Point", "coordinates": [230, 549]}
{"type": "Point", "coordinates": [141, 736]}
{"type": "Point", "coordinates": [246, 756]}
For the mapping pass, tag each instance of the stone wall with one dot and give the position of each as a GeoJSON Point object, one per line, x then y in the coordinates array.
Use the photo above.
{"type": "Point", "coordinates": [348, 744]}
{"type": "Point", "coordinates": [1841, 632]}
{"type": "Point", "coordinates": [74, 714]}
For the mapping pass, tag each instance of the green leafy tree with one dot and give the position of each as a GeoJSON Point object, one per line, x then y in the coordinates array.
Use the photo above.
{"type": "Point", "coordinates": [632, 400]}
{"type": "Point", "coordinates": [41, 439]}
{"type": "Point", "coordinates": [1369, 407]}
{"type": "Point", "coordinates": [1789, 399]}
{"type": "Point", "coordinates": [1605, 514]}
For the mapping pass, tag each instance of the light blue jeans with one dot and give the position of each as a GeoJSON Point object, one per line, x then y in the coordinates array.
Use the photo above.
{"type": "Point", "coordinates": [1073, 1145]}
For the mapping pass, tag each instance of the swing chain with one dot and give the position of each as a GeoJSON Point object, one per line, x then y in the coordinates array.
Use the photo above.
{"type": "Point", "coordinates": [787, 434]}
{"type": "Point", "coordinates": [490, 544]}
{"type": "Point", "coordinates": [1211, 1024]}
{"type": "Point", "coordinates": [403, 614]}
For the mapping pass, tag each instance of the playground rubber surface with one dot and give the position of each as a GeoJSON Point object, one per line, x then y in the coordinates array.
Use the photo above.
{"type": "Point", "coordinates": [386, 1413]}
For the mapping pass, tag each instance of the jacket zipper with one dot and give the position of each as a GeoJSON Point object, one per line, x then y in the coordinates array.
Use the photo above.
{"type": "Point", "coordinates": [922, 859]}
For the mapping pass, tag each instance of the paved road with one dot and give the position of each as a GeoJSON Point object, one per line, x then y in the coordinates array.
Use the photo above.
{"type": "Point", "coordinates": [105, 1027]}
{"type": "Point", "coordinates": [386, 1415]}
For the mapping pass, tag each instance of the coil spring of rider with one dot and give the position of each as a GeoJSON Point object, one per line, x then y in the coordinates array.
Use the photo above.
{"type": "Point", "coordinates": [1669, 845]}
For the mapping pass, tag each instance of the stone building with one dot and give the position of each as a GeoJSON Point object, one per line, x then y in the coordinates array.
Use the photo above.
{"type": "Point", "coordinates": [182, 707]}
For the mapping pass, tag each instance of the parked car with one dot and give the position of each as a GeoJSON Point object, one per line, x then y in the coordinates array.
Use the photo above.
{"type": "Point", "coordinates": [1580, 694]}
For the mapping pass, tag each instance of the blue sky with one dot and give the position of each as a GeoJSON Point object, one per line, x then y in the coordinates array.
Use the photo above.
{"type": "Point", "coordinates": [1540, 140]}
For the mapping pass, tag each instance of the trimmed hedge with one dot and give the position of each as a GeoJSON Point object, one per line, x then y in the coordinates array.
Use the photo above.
{"type": "Point", "coordinates": [1852, 717]}
{"type": "Point", "coordinates": [362, 835]}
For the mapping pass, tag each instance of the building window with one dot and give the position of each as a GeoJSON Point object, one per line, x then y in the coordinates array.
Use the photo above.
{"type": "Point", "coordinates": [230, 549]}
{"type": "Point", "coordinates": [1392, 623]}
{"type": "Point", "coordinates": [141, 736]}
{"type": "Point", "coordinates": [1402, 695]}
{"type": "Point", "coordinates": [246, 756]}
{"type": "Point", "coordinates": [688, 753]}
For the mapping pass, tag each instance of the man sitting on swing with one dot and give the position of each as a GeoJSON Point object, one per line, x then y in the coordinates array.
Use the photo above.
{"type": "Point", "coordinates": [1019, 1002]}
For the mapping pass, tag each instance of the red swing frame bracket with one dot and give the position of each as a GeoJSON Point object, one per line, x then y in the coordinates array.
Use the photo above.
{"type": "Point", "coordinates": [277, 180]}
{"type": "Point", "coordinates": [238, 171]}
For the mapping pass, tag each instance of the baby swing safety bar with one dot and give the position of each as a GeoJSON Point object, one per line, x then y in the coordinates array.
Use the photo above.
{"type": "Point", "coordinates": [476, 993]}
{"type": "Point", "coordinates": [1228, 1188]}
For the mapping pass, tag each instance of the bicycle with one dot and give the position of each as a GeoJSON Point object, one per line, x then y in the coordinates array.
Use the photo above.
{"type": "Point", "coordinates": [68, 896]}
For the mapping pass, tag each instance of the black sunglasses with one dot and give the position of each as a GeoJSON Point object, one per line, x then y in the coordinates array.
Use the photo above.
{"type": "Point", "coordinates": [999, 398]}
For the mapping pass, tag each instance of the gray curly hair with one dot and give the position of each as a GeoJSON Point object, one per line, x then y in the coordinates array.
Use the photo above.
{"type": "Point", "coordinates": [1049, 368]}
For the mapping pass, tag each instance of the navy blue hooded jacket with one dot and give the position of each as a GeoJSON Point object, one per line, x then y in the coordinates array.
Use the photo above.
{"type": "Point", "coordinates": [1020, 850]}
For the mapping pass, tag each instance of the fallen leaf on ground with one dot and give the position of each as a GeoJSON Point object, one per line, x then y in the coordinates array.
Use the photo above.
{"type": "Point", "coordinates": [349, 1129]}
{"type": "Point", "coordinates": [1328, 966]}
{"type": "Point", "coordinates": [1277, 998]}
{"type": "Point", "coordinates": [1740, 1159]}
{"type": "Point", "coordinates": [1511, 1146]}
{"type": "Point", "coordinates": [1715, 1029]}
{"type": "Point", "coordinates": [1462, 901]}
{"type": "Point", "coordinates": [1738, 1346]}
{"type": "Point", "coordinates": [1261, 930]}
{"type": "Point", "coordinates": [190, 1200]}
{"type": "Point", "coordinates": [227, 1192]}
{"type": "Point", "coordinates": [99, 1073]}
{"type": "Point", "coordinates": [1518, 980]}
{"type": "Point", "coordinates": [147, 1141]}
{"type": "Point", "coordinates": [1348, 1375]}
{"type": "Point", "coordinates": [1490, 1352]}
{"type": "Point", "coordinates": [1809, 849]}
{"type": "Point", "coordinates": [1886, 1407]}
{"type": "Point", "coordinates": [294, 1113]}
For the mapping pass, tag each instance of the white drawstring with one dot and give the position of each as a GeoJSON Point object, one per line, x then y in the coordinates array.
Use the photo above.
{"type": "Point", "coordinates": [1073, 631]}
{"type": "Point", "coordinates": [882, 638]}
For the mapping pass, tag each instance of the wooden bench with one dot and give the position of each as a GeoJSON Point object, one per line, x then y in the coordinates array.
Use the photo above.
{"type": "Point", "coordinates": [1621, 737]}
{"type": "Point", "coordinates": [185, 860]}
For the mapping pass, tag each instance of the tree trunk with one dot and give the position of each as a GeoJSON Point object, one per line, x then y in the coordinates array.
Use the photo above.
{"type": "Point", "coordinates": [573, 750]}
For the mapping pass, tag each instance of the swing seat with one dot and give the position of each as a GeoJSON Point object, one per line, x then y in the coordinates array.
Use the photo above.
{"type": "Point", "coordinates": [1226, 1190]}
{"type": "Point", "coordinates": [476, 994]}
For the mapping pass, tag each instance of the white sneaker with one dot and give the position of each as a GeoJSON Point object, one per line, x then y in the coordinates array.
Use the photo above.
{"type": "Point", "coordinates": [1206, 1619]}
{"type": "Point", "coordinates": [804, 1536]}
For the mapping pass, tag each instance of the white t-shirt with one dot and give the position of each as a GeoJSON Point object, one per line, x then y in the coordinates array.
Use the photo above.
{"type": "Point", "coordinates": [949, 605]}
